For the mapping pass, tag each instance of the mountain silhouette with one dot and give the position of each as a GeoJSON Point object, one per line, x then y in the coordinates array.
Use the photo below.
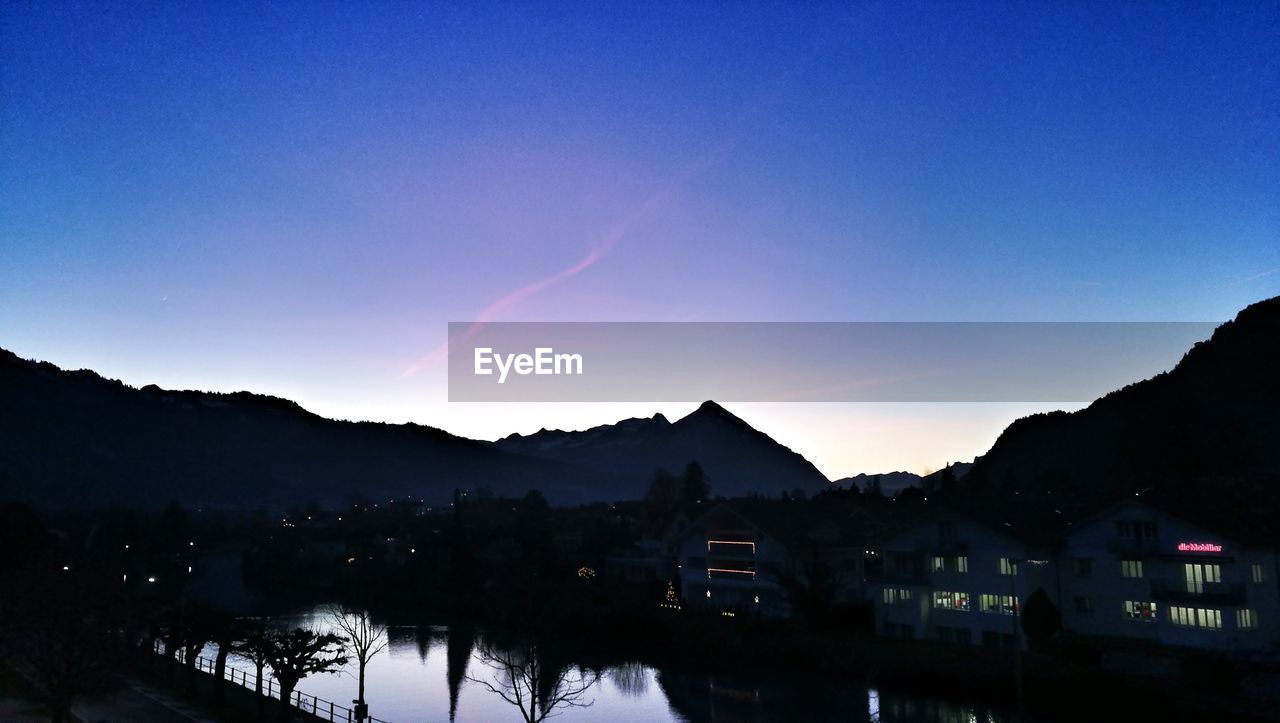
{"type": "Point", "coordinates": [74, 439]}
{"type": "Point", "coordinates": [1207, 429]}
{"type": "Point", "coordinates": [893, 482]}
{"type": "Point", "coordinates": [737, 458]}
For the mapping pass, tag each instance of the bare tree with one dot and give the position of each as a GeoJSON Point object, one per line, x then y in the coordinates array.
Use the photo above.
{"type": "Point", "coordinates": [365, 638]}
{"type": "Point", "coordinates": [297, 653]}
{"type": "Point", "coordinates": [524, 678]}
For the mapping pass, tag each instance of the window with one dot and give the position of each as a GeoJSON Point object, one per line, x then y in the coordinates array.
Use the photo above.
{"type": "Point", "coordinates": [1008, 567]}
{"type": "Point", "coordinates": [1207, 618]}
{"type": "Point", "coordinates": [1246, 619]}
{"type": "Point", "coordinates": [1140, 610]}
{"type": "Point", "coordinates": [697, 563]}
{"type": "Point", "coordinates": [1082, 605]}
{"type": "Point", "coordinates": [896, 595]}
{"type": "Point", "coordinates": [1258, 575]}
{"type": "Point", "coordinates": [1082, 566]}
{"type": "Point", "coordinates": [1131, 568]}
{"type": "Point", "coordinates": [951, 600]}
{"type": "Point", "coordinates": [1198, 574]}
{"type": "Point", "coordinates": [938, 564]}
{"type": "Point", "coordinates": [998, 604]}
{"type": "Point", "coordinates": [962, 563]}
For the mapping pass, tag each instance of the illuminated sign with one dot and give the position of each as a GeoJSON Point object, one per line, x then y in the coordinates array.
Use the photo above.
{"type": "Point", "coordinates": [1198, 547]}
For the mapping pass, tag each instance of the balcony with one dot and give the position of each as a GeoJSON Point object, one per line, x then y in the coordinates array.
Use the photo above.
{"type": "Point", "coordinates": [1216, 594]}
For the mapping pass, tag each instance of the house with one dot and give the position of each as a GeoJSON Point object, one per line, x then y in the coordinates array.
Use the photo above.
{"type": "Point", "coordinates": [740, 557]}
{"type": "Point", "coordinates": [953, 578]}
{"type": "Point", "coordinates": [1137, 571]}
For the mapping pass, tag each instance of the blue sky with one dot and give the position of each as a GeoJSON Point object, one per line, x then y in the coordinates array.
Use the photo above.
{"type": "Point", "coordinates": [296, 198]}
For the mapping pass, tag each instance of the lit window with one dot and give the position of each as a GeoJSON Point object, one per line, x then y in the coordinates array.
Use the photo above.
{"type": "Point", "coordinates": [1131, 568]}
{"type": "Point", "coordinates": [962, 564]}
{"type": "Point", "coordinates": [906, 594]}
{"type": "Point", "coordinates": [998, 604]}
{"type": "Point", "coordinates": [1198, 574]}
{"type": "Point", "coordinates": [1246, 619]}
{"type": "Point", "coordinates": [1207, 618]}
{"type": "Point", "coordinates": [939, 564]}
{"type": "Point", "coordinates": [890, 596]}
{"type": "Point", "coordinates": [1008, 567]}
{"type": "Point", "coordinates": [1140, 611]}
{"type": "Point", "coordinates": [951, 600]}
{"type": "Point", "coordinates": [1258, 575]}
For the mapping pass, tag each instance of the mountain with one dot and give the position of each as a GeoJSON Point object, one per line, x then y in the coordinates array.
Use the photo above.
{"type": "Point", "coordinates": [76, 439]}
{"type": "Point", "coordinates": [1207, 429]}
{"type": "Point", "coordinates": [737, 458]}
{"type": "Point", "coordinates": [892, 483]}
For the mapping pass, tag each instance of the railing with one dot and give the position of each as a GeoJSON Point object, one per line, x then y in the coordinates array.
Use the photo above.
{"type": "Point", "coordinates": [318, 707]}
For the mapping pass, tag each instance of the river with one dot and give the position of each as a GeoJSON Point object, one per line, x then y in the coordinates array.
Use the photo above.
{"type": "Point", "coordinates": [434, 673]}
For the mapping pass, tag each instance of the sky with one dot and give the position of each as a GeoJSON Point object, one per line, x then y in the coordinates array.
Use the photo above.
{"type": "Point", "coordinates": [295, 198]}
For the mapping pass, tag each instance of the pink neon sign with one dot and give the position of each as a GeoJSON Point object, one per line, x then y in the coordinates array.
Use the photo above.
{"type": "Point", "coordinates": [1198, 547]}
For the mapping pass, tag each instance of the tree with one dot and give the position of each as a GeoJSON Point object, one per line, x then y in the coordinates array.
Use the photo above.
{"type": "Point", "coordinates": [525, 678]}
{"type": "Point", "coordinates": [60, 632]}
{"type": "Point", "coordinates": [948, 481]}
{"type": "Point", "coordinates": [696, 486]}
{"type": "Point", "coordinates": [1040, 618]}
{"type": "Point", "coordinates": [226, 632]}
{"type": "Point", "coordinates": [197, 626]}
{"type": "Point", "coordinates": [297, 653]}
{"type": "Point", "coordinates": [365, 637]}
{"type": "Point", "coordinates": [662, 500]}
{"type": "Point", "coordinates": [255, 644]}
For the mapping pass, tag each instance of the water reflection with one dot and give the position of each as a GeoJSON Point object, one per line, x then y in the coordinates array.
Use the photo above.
{"type": "Point", "coordinates": [433, 673]}
{"type": "Point", "coordinates": [532, 678]}
{"type": "Point", "coordinates": [631, 679]}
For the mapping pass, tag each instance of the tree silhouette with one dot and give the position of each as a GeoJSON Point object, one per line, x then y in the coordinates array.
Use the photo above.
{"type": "Point", "coordinates": [525, 678]}
{"type": "Point", "coordinates": [255, 645]}
{"type": "Point", "coordinates": [365, 637]}
{"type": "Point", "coordinates": [57, 627]}
{"type": "Point", "coordinates": [696, 486]}
{"type": "Point", "coordinates": [1040, 618]}
{"type": "Point", "coordinates": [297, 653]}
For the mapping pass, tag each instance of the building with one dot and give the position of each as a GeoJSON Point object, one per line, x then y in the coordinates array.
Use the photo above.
{"type": "Point", "coordinates": [949, 577]}
{"type": "Point", "coordinates": [1136, 571]}
{"type": "Point", "coordinates": [739, 558]}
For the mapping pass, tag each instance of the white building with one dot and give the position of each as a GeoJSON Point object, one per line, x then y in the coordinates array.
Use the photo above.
{"type": "Point", "coordinates": [1134, 571]}
{"type": "Point", "coordinates": [954, 579]}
